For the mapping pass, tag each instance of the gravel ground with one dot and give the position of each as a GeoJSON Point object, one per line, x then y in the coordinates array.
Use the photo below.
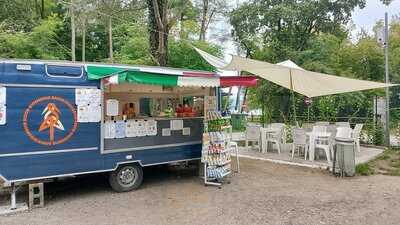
{"type": "Point", "coordinates": [263, 193]}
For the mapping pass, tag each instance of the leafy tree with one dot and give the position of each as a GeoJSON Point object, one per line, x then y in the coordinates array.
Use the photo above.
{"type": "Point", "coordinates": [287, 26]}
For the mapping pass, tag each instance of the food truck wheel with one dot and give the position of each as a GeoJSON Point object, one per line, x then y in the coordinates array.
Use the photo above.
{"type": "Point", "coordinates": [126, 178]}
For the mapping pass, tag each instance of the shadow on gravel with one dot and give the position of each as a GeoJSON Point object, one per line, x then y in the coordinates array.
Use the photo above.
{"type": "Point", "coordinates": [94, 184]}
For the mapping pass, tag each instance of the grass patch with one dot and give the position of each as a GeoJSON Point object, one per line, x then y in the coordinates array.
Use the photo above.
{"type": "Point", "coordinates": [364, 169]}
{"type": "Point", "coordinates": [388, 163]}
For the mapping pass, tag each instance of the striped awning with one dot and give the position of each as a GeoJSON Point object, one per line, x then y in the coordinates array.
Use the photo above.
{"type": "Point", "coordinates": [167, 77]}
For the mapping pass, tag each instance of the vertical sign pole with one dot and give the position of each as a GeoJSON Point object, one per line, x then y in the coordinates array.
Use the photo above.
{"type": "Point", "coordinates": [387, 130]}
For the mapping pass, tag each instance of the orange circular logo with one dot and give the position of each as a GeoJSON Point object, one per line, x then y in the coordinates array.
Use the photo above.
{"type": "Point", "coordinates": [50, 111]}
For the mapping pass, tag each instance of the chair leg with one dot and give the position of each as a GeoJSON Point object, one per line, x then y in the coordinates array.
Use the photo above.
{"type": "Point", "coordinates": [237, 159]}
{"type": "Point", "coordinates": [247, 143]}
{"type": "Point", "coordinates": [328, 154]}
{"type": "Point", "coordinates": [305, 152]}
{"type": "Point", "coordinates": [278, 146]}
{"type": "Point", "coordinates": [293, 149]}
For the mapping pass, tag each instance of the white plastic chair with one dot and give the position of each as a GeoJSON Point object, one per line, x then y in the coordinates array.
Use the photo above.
{"type": "Point", "coordinates": [275, 138]}
{"type": "Point", "coordinates": [319, 129]}
{"type": "Point", "coordinates": [299, 141]}
{"type": "Point", "coordinates": [279, 126]}
{"type": "Point", "coordinates": [307, 126]}
{"type": "Point", "coordinates": [233, 146]}
{"type": "Point", "coordinates": [356, 135]}
{"type": "Point", "coordinates": [322, 142]}
{"type": "Point", "coordinates": [344, 132]}
{"type": "Point", "coordinates": [252, 135]}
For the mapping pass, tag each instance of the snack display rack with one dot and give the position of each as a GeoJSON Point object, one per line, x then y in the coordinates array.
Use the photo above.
{"type": "Point", "coordinates": [216, 154]}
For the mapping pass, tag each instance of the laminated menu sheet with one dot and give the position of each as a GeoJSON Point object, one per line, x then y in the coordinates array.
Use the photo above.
{"type": "Point", "coordinates": [109, 130]}
{"type": "Point", "coordinates": [85, 96]}
{"type": "Point", "coordinates": [2, 114]}
{"type": "Point", "coordinates": [112, 106]}
{"type": "Point", "coordinates": [120, 129]}
{"type": "Point", "coordinates": [130, 128]}
{"type": "Point", "coordinates": [176, 124]}
{"type": "Point", "coordinates": [151, 127]}
{"type": "Point", "coordinates": [89, 113]}
{"type": "Point", "coordinates": [141, 128]}
{"type": "Point", "coordinates": [88, 101]}
{"type": "Point", "coordinates": [2, 95]}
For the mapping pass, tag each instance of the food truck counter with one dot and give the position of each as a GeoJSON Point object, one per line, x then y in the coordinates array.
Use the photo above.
{"type": "Point", "coordinates": [152, 132]}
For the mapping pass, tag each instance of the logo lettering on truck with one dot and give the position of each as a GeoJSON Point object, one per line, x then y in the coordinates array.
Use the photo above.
{"type": "Point", "coordinates": [50, 120]}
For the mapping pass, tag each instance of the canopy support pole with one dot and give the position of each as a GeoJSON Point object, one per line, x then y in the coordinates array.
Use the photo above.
{"type": "Point", "coordinates": [293, 98]}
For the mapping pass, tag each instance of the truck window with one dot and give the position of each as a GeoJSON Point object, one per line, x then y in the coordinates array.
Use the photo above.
{"type": "Point", "coordinates": [64, 71]}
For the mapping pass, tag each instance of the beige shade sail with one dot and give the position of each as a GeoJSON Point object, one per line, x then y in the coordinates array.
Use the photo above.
{"type": "Point", "coordinates": [308, 83]}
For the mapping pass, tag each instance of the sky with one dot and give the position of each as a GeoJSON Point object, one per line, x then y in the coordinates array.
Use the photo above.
{"type": "Point", "coordinates": [374, 11]}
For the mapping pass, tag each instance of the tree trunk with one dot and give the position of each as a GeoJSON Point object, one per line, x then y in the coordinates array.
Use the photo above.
{"type": "Point", "coordinates": [110, 40]}
{"type": "Point", "coordinates": [202, 35]}
{"type": "Point", "coordinates": [84, 43]}
{"type": "Point", "coordinates": [72, 31]}
{"type": "Point", "coordinates": [158, 29]}
{"type": "Point", "coordinates": [42, 10]}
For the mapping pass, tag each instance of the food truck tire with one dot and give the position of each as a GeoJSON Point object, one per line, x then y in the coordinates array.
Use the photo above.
{"type": "Point", "coordinates": [126, 178]}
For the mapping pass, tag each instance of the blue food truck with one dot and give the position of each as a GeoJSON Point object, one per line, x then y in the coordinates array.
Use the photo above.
{"type": "Point", "coordinates": [65, 119]}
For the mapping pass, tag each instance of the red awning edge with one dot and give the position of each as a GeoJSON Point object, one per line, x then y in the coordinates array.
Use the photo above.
{"type": "Point", "coordinates": [244, 81]}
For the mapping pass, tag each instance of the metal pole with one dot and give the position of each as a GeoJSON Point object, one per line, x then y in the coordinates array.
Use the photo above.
{"type": "Point", "coordinates": [293, 98]}
{"type": "Point", "coordinates": [387, 131]}
{"type": "Point", "coordinates": [13, 197]}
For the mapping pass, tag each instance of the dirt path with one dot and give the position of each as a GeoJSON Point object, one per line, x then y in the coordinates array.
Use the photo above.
{"type": "Point", "coordinates": [263, 193]}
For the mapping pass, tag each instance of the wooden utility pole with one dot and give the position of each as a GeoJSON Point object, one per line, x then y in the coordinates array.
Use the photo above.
{"type": "Point", "coordinates": [84, 42]}
{"type": "Point", "coordinates": [110, 39]}
{"type": "Point", "coordinates": [72, 31]}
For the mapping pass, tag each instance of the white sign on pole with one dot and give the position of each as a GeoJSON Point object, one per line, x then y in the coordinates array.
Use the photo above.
{"type": "Point", "coordinates": [3, 114]}
{"type": "Point", "coordinates": [2, 95]}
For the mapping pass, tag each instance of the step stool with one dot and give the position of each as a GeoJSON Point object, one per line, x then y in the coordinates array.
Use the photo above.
{"type": "Point", "coordinates": [36, 195]}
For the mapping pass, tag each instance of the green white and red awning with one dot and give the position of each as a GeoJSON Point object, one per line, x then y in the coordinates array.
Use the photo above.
{"type": "Point", "coordinates": [165, 77]}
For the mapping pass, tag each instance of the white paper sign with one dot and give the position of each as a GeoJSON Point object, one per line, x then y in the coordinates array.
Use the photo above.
{"type": "Point", "coordinates": [94, 113]}
{"type": "Point", "coordinates": [141, 128]}
{"type": "Point", "coordinates": [95, 97]}
{"type": "Point", "coordinates": [176, 124]}
{"type": "Point", "coordinates": [82, 96]}
{"type": "Point", "coordinates": [109, 129]}
{"type": "Point", "coordinates": [83, 113]}
{"type": "Point", "coordinates": [85, 96]}
{"type": "Point", "coordinates": [3, 114]}
{"type": "Point", "coordinates": [166, 132]}
{"type": "Point", "coordinates": [112, 106]}
{"type": "Point", "coordinates": [2, 95]}
{"type": "Point", "coordinates": [151, 127]}
{"type": "Point", "coordinates": [131, 128]}
{"type": "Point", "coordinates": [120, 129]}
{"type": "Point", "coordinates": [186, 131]}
